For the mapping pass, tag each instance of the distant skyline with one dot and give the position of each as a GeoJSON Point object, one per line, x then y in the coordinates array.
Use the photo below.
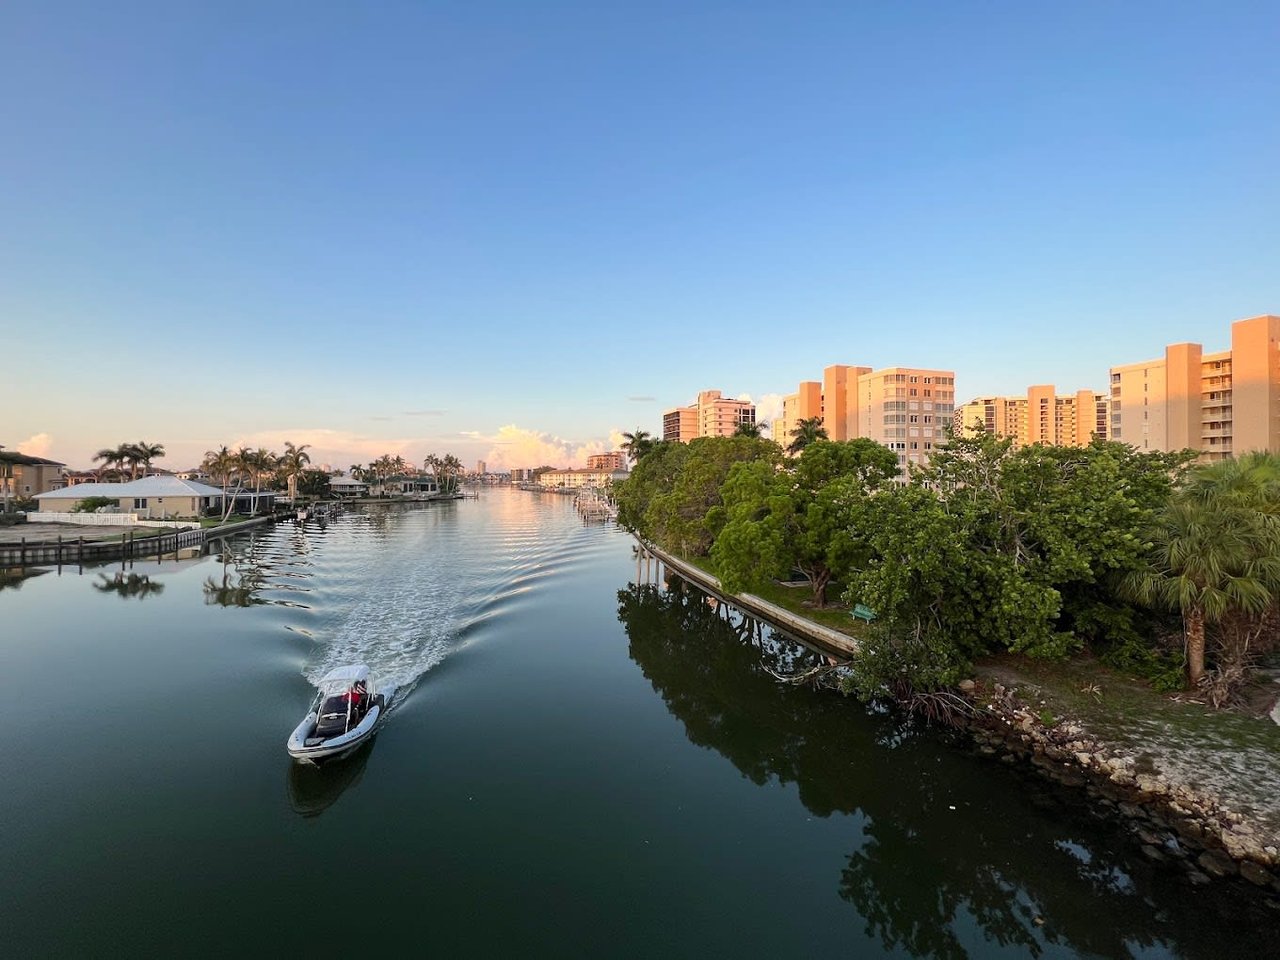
{"type": "Point", "coordinates": [511, 231]}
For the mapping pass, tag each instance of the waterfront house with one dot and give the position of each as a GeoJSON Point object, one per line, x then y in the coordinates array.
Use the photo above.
{"type": "Point", "coordinates": [347, 487]}
{"type": "Point", "coordinates": [22, 476]}
{"type": "Point", "coordinates": [155, 497]}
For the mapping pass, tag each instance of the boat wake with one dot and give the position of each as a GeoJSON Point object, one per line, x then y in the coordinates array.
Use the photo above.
{"type": "Point", "coordinates": [402, 612]}
{"type": "Point", "coordinates": [399, 630]}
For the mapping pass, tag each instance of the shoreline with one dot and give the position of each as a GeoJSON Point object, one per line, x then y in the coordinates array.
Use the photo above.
{"type": "Point", "coordinates": [1174, 819]}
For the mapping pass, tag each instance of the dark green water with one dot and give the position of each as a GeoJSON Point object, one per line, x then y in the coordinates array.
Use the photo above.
{"type": "Point", "coordinates": [576, 766]}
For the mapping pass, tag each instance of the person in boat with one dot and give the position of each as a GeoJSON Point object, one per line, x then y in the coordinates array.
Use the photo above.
{"type": "Point", "coordinates": [358, 698]}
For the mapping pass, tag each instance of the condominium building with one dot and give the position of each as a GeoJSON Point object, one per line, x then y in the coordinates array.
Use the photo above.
{"type": "Point", "coordinates": [1042, 416]}
{"type": "Point", "coordinates": [710, 416]}
{"type": "Point", "coordinates": [582, 478]}
{"type": "Point", "coordinates": [616, 460]}
{"type": "Point", "coordinates": [1219, 404]}
{"type": "Point", "coordinates": [904, 408]}
{"type": "Point", "coordinates": [804, 404]}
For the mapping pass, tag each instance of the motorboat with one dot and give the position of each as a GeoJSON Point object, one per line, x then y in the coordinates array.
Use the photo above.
{"type": "Point", "coordinates": [346, 713]}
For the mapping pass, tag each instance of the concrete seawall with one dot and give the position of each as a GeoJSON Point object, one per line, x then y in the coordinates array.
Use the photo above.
{"type": "Point", "coordinates": [813, 634]}
{"type": "Point", "coordinates": [70, 549]}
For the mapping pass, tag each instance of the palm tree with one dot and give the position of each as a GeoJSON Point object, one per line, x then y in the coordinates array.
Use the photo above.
{"type": "Point", "coordinates": [1210, 559]}
{"type": "Point", "coordinates": [146, 452]}
{"type": "Point", "coordinates": [262, 462]}
{"type": "Point", "coordinates": [237, 465]}
{"type": "Point", "coordinates": [807, 431]}
{"type": "Point", "coordinates": [637, 444]}
{"type": "Point", "coordinates": [753, 429]}
{"type": "Point", "coordinates": [108, 456]}
{"type": "Point", "coordinates": [452, 470]}
{"type": "Point", "coordinates": [292, 462]}
{"type": "Point", "coordinates": [130, 453]}
{"type": "Point", "coordinates": [220, 464]}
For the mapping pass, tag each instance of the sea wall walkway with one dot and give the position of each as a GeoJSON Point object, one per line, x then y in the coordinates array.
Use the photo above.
{"type": "Point", "coordinates": [813, 634]}
{"type": "Point", "coordinates": [73, 549]}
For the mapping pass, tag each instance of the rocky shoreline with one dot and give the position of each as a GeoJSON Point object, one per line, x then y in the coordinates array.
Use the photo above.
{"type": "Point", "coordinates": [1173, 820]}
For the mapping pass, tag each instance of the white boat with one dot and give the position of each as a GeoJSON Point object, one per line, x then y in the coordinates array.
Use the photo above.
{"type": "Point", "coordinates": [345, 714]}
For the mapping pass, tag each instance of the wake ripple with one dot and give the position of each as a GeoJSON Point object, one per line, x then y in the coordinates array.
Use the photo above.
{"type": "Point", "coordinates": [420, 586]}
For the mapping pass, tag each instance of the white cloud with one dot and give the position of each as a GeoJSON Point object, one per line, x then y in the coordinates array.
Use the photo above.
{"type": "Point", "coordinates": [36, 446]}
{"type": "Point", "coordinates": [768, 407]}
{"type": "Point", "coordinates": [514, 446]}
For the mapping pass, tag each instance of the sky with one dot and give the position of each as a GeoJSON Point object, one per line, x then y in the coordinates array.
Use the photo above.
{"type": "Point", "coordinates": [510, 231]}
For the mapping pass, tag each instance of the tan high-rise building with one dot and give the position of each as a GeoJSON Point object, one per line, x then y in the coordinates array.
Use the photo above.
{"type": "Point", "coordinates": [711, 416]}
{"type": "Point", "coordinates": [1219, 404]}
{"type": "Point", "coordinates": [1002, 416]}
{"type": "Point", "coordinates": [804, 404]}
{"type": "Point", "coordinates": [615, 460]}
{"type": "Point", "coordinates": [904, 408]}
{"type": "Point", "coordinates": [1042, 416]}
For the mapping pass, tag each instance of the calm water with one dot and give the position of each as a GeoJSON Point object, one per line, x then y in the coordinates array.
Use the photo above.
{"type": "Point", "coordinates": [576, 766]}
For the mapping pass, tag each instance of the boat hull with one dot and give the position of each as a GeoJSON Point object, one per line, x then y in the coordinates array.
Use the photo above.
{"type": "Point", "coordinates": [339, 746]}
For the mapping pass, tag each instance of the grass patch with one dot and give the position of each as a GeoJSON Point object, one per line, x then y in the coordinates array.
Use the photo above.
{"type": "Point", "coordinates": [1230, 755]}
{"type": "Point", "coordinates": [207, 522]}
{"type": "Point", "coordinates": [798, 600]}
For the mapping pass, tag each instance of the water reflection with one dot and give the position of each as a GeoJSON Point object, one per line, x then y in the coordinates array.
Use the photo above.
{"type": "Point", "coordinates": [12, 578]}
{"type": "Point", "coordinates": [953, 859]}
{"type": "Point", "coordinates": [314, 789]}
{"type": "Point", "coordinates": [128, 585]}
{"type": "Point", "coordinates": [240, 584]}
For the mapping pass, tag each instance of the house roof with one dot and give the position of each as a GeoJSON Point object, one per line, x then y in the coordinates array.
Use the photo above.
{"type": "Point", "coordinates": [159, 486]}
{"type": "Point", "coordinates": [21, 459]}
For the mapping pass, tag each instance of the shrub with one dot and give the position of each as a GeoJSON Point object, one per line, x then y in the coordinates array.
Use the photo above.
{"type": "Point", "coordinates": [93, 504]}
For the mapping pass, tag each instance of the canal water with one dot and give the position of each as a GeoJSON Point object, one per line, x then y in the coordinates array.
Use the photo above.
{"type": "Point", "coordinates": [575, 765]}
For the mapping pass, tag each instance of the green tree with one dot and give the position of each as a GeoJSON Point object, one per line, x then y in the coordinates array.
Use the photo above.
{"type": "Point", "coordinates": [292, 462]}
{"type": "Point", "coordinates": [802, 517]}
{"type": "Point", "coordinates": [637, 444]}
{"type": "Point", "coordinates": [753, 429]}
{"type": "Point", "coordinates": [145, 453]}
{"type": "Point", "coordinates": [110, 457]}
{"type": "Point", "coordinates": [686, 516]}
{"type": "Point", "coordinates": [1214, 554]}
{"type": "Point", "coordinates": [805, 432]}
{"type": "Point", "coordinates": [995, 549]}
{"type": "Point", "coordinates": [313, 483]}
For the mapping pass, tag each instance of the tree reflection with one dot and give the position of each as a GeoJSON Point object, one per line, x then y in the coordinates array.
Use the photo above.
{"type": "Point", "coordinates": [954, 858]}
{"type": "Point", "coordinates": [125, 586]}
{"type": "Point", "coordinates": [240, 584]}
{"type": "Point", "coordinates": [12, 578]}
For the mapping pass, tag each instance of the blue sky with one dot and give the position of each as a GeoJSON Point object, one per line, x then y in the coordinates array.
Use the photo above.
{"type": "Point", "coordinates": [406, 226]}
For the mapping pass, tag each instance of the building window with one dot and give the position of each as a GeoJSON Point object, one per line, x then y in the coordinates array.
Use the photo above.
{"type": "Point", "coordinates": [139, 503]}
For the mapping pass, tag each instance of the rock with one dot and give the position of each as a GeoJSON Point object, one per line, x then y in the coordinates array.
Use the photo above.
{"type": "Point", "coordinates": [1149, 837]}
{"type": "Point", "coordinates": [1216, 863]}
{"type": "Point", "coordinates": [1083, 758]}
{"type": "Point", "coordinates": [1197, 878]}
{"type": "Point", "coordinates": [1255, 873]}
{"type": "Point", "coordinates": [967, 686]}
{"type": "Point", "coordinates": [1151, 852]}
{"type": "Point", "coordinates": [1130, 811]}
{"type": "Point", "coordinates": [1148, 783]}
{"type": "Point", "coordinates": [1189, 830]}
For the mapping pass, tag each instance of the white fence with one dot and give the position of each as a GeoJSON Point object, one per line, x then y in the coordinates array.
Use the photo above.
{"type": "Point", "coordinates": [108, 520]}
{"type": "Point", "coordinates": [85, 519]}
